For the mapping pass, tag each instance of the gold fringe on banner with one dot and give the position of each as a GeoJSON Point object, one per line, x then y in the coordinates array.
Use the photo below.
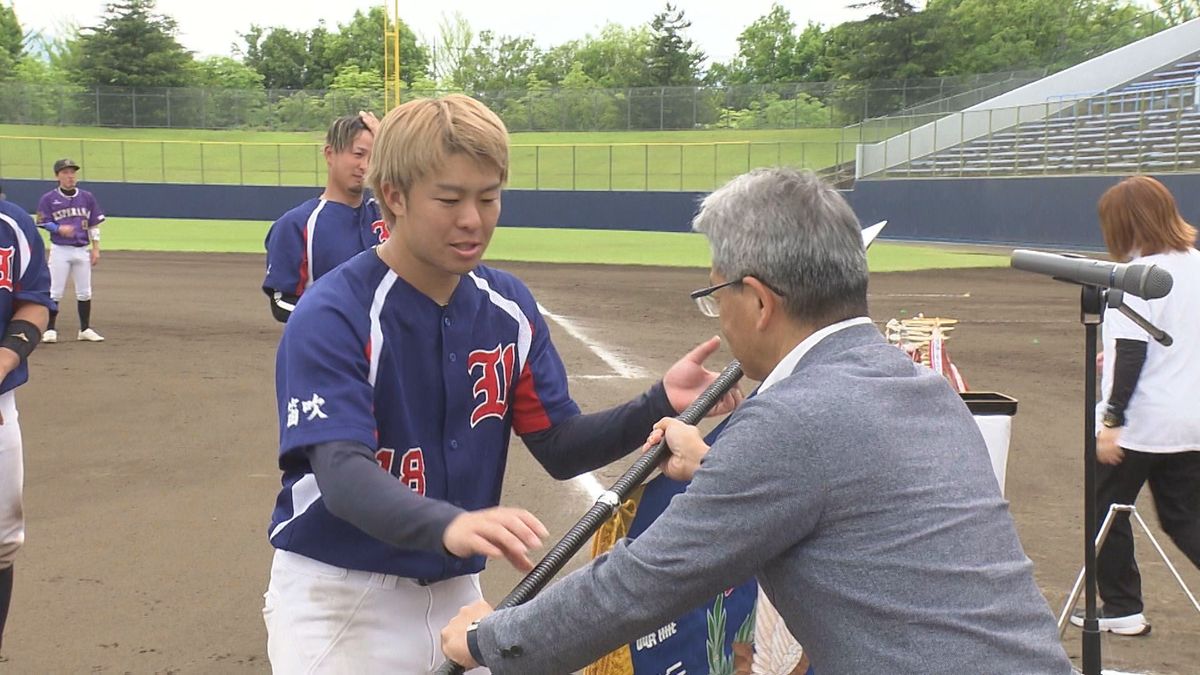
{"type": "Point", "coordinates": [619, 661]}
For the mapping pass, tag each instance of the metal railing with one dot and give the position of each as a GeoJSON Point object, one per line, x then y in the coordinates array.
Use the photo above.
{"type": "Point", "coordinates": [1090, 135]}
{"type": "Point", "coordinates": [579, 166]}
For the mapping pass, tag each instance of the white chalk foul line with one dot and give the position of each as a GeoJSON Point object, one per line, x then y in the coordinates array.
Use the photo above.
{"type": "Point", "coordinates": [619, 365]}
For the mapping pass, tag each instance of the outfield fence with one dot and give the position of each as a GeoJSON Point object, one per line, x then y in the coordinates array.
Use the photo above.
{"type": "Point", "coordinates": [746, 106]}
{"type": "Point", "coordinates": [578, 166]}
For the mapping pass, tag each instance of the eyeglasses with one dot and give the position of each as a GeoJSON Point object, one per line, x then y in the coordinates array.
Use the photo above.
{"type": "Point", "coordinates": [708, 304]}
{"type": "Point", "coordinates": [705, 300]}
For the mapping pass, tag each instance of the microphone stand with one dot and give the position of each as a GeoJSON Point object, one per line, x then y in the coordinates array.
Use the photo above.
{"type": "Point", "coordinates": [1092, 303]}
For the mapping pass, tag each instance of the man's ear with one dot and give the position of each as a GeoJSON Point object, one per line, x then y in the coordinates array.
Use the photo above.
{"type": "Point", "coordinates": [328, 152]}
{"type": "Point", "coordinates": [769, 304]}
{"type": "Point", "coordinates": [395, 199]}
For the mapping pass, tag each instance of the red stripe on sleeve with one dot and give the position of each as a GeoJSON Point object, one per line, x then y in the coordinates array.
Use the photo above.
{"type": "Point", "coordinates": [529, 415]}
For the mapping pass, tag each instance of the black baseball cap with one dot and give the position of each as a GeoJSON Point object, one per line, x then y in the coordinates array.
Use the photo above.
{"type": "Point", "coordinates": [65, 164]}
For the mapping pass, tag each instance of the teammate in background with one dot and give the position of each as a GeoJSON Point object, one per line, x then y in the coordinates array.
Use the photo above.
{"type": "Point", "coordinates": [326, 231]}
{"type": "Point", "coordinates": [415, 358]}
{"type": "Point", "coordinates": [25, 308]}
{"type": "Point", "coordinates": [1149, 430]}
{"type": "Point", "coordinates": [73, 218]}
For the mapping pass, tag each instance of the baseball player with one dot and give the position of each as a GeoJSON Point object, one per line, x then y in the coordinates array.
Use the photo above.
{"type": "Point", "coordinates": [416, 359]}
{"type": "Point", "coordinates": [326, 231]}
{"type": "Point", "coordinates": [73, 218]}
{"type": "Point", "coordinates": [25, 308]}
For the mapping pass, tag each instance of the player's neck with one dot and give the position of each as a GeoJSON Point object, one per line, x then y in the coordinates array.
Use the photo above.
{"type": "Point", "coordinates": [437, 285]}
{"type": "Point", "coordinates": [333, 194]}
{"type": "Point", "coordinates": [68, 193]}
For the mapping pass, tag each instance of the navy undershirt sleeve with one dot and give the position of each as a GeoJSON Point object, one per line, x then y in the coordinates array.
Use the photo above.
{"type": "Point", "coordinates": [355, 489]}
{"type": "Point", "coordinates": [586, 442]}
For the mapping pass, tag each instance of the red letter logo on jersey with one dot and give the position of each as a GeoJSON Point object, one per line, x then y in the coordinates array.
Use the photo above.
{"type": "Point", "coordinates": [496, 366]}
{"type": "Point", "coordinates": [381, 230]}
{"type": "Point", "coordinates": [6, 280]}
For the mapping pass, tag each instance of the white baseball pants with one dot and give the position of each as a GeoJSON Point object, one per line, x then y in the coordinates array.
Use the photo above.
{"type": "Point", "coordinates": [74, 262]}
{"type": "Point", "coordinates": [325, 619]}
{"type": "Point", "coordinates": [12, 473]}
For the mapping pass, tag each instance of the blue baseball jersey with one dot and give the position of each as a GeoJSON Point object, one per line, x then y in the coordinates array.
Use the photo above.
{"type": "Point", "coordinates": [316, 237]}
{"type": "Point", "coordinates": [434, 391]}
{"type": "Point", "coordinates": [24, 276]}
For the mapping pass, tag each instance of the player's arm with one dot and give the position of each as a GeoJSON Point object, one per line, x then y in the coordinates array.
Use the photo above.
{"type": "Point", "coordinates": [585, 442]}
{"type": "Point", "coordinates": [31, 301]}
{"type": "Point", "coordinates": [589, 441]}
{"type": "Point", "coordinates": [93, 227]}
{"type": "Point", "coordinates": [355, 489]}
{"type": "Point", "coordinates": [285, 260]}
{"type": "Point", "coordinates": [22, 335]}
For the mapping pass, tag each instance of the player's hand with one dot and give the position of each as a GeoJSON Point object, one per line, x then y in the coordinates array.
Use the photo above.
{"type": "Point", "coordinates": [454, 635]}
{"type": "Point", "coordinates": [371, 121]}
{"type": "Point", "coordinates": [685, 443]}
{"type": "Point", "coordinates": [95, 257]}
{"type": "Point", "coordinates": [1108, 446]}
{"type": "Point", "coordinates": [496, 532]}
{"type": "Point", "coordinates": [65, 230]}
{"type": "Point", "coordinates": [688, 378]}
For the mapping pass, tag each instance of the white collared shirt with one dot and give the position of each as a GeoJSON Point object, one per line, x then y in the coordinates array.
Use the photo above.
{"type": "Point", "coordinates": [788, 364]}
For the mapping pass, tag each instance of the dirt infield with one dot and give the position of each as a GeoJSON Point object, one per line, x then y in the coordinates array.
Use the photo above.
{"type": "Point", "coordinates": [150, 465]}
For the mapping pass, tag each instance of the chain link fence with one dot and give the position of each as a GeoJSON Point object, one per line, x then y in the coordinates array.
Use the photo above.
{"type": "Point", "coordinates": [757, 106]}
{"type": "Point", "coordinates": [609, 166]}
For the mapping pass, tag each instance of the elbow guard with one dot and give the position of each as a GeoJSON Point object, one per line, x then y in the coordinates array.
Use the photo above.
{"type": "Point", "coordinates": [94, 233]}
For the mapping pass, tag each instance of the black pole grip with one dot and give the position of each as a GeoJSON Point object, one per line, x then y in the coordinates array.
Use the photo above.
{"type": "Point", "coordinates": [607, 504]}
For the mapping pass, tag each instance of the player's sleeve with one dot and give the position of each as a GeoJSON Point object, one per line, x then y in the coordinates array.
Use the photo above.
{"type": "Point", "coordinates": [285, 259]}
{"type": "Point", "coordinates": [542, 397]}
{"type": "Point", "coordinates": [585, 442]}
{"type": "Point", "coordinates": [357, 491]}
{"type": "Point", "coordinates": [321, 371]}
{"type": "Point", "coordinates": [34, 283]}
{"type": "Point", "coordinates": [45, 219]}
{"type": "Point", "coordinates": [97, 214]}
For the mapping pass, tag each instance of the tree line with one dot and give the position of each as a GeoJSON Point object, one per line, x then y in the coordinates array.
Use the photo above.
{"type": "Point", "coordinates": [783, 74]}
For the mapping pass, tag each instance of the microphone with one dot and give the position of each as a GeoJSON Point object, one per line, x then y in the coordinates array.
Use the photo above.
{"type": "Point", "coordinates": [1144, 281]}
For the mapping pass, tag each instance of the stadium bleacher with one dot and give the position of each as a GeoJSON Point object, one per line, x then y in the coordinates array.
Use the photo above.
{"type": "Point", "coordinates": [1149, 124]}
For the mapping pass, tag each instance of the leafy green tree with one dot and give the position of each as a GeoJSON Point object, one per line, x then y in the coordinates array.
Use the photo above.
{"type": "Point", "coordinates": [279, 55]}
{"type": "Point", "coordinates": [133, 46]}
{"type": "Point", "coordinates": [496, 63]}
{"type": "Point", "coordinates": [1176, 12]}
{"type": "Point", "coordinates": [223, 72]}
{"type": "Point", "coordinates": [360, 43]}
{"type": "Point", "coordinates": [770, 50]}
{"type": "Point", "coordinates": [674, 59]}
{"type": "Point", "coordinates": [12, 39]}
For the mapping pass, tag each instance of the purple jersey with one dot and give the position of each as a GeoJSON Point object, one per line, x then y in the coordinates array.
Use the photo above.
{"type": "Point", "coordinates": [24, 276]}
{"type": "Point", "coordinates": [433, 391]}
{"type": "Point", "coordinates": [316, 237]}
{"type": "Point", "coordinates": [79, 210]}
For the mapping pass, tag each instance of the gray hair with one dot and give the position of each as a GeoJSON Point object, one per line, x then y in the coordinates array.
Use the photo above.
{"type": "Point", "coordinates": [790, 230]}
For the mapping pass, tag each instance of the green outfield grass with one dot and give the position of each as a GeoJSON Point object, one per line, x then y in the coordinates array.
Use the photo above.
{"type": "Point", "coordinates": [520, 244]}
{"type": "Point", "coordinates": [660, 160]}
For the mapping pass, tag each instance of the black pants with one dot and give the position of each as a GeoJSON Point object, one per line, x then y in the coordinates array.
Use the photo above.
{"type": "Point", "coordinates": [1175, 484]}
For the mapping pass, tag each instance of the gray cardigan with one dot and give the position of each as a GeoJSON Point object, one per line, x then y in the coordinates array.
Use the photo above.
{"type": "Point", "coordinates": [859, 492]}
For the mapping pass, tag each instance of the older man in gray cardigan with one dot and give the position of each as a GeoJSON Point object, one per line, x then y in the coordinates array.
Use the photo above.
{"type": "Point", "coordinates": [855, 486]}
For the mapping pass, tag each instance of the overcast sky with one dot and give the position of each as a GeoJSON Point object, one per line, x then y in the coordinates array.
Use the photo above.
{"type": "Point", "coordinates": [210, 27]}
